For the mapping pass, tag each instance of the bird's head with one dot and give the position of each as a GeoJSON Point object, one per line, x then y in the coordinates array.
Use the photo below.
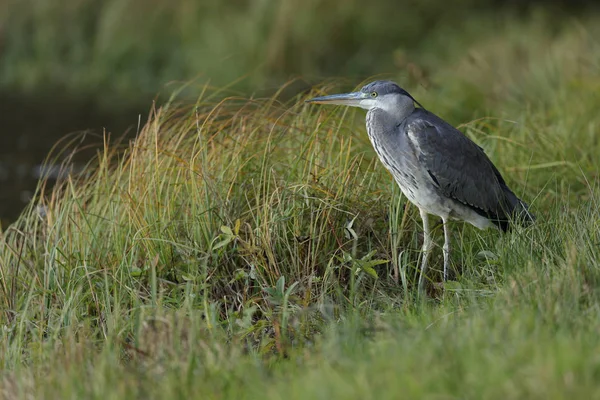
{"type": "Point", "coordinates": [385, 95]}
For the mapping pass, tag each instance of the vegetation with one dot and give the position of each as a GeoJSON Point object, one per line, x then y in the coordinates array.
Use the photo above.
{"type": "Point", "coordinates": [120, 51]}
{"type": "Point", "coordinates": [245, 248]}
{"type": "Point", "coordinates": [135, 46]}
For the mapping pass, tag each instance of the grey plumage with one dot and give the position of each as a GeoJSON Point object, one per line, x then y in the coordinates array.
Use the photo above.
{"type": "Point", "coordinates": [438, 169]}
{"type": "Point", "coordinates": [469, 176]}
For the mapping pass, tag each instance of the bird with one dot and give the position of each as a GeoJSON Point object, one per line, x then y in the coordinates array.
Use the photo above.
{"type": "Point", "coordinates": [438, 169]}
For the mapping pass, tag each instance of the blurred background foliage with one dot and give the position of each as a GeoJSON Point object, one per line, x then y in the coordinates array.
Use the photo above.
{"type": "Point", "coordinates": [68, 65]}
{"type": "Point", "coordinates": [124, 48]}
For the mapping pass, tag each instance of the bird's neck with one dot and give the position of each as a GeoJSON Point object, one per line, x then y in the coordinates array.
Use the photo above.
{"type": "Point", "coordinates": [393, 111]}
{"type": "Point", "coordinates": [381, 125]}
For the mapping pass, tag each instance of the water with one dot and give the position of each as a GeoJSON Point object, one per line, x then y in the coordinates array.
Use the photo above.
{"type": "Point", "coordinates": [30, 125]}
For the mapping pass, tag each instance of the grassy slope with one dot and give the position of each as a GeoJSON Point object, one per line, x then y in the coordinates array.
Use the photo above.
{"type": "Point", "coordinates": [160, 274]}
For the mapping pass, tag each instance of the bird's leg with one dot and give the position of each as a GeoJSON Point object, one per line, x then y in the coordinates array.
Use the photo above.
{"type": "Point", "coordinates": [426, 248]}
{"type": "Point", "coordinates": [446, 248]}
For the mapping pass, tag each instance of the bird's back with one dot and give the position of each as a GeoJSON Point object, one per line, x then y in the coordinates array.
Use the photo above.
{"type": "Point", "coordinates": [460, 169]}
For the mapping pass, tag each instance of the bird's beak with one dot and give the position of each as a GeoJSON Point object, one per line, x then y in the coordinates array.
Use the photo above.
{"type": "Point", "coordinates": [345, 99]}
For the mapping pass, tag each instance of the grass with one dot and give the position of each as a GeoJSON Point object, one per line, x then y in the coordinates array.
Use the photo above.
{"type": "Point", "coordinates": [245, 248]}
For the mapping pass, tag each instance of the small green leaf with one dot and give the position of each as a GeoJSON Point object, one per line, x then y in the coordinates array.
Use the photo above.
{"type": "Point", "coordinates": [347, 257]}
{"type": "Point", "coordinates": [187, 278]}
{"type": "Point", "coordinates": [280, 285]}
{"type": "Point", "coordinates": [227, 230]}
{"type": "Point", "coordinates": [240, 274]}
{"type": "Point", "coordinates": [349, 231]}
{"type": "Point", "coordinates": [223, 242]}
{"type": "Point", "coordinates": [370, 271]}
{"type": "Point", "coordinates": [290, 289]}
{"type": "Point", "coordinates": [369, 254]}
{"type": "Point", "coordinates": [372, 263]}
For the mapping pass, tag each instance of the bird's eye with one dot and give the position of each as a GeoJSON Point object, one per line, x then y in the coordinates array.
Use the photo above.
{"type": "Point", "coordinates": [373, 94]}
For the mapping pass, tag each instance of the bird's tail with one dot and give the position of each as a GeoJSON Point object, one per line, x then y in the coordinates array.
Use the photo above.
{"type": "Point", "coordinates": [517, 209]}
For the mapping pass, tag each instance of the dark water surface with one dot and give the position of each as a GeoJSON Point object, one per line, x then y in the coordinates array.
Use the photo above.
{"type": "Point", "coordinates": [31, 125]}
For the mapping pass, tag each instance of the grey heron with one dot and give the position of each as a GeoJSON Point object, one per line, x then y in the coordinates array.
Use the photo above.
{"type": "Point", "coordinates": [437, 167]}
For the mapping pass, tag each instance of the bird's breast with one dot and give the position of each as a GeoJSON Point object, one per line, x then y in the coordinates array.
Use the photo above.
{"type": "Point", "coordinates": [395, 153]}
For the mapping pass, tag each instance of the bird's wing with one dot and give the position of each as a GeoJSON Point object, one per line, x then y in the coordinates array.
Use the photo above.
{"type": "Point", "coordinates": [456, 165]}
